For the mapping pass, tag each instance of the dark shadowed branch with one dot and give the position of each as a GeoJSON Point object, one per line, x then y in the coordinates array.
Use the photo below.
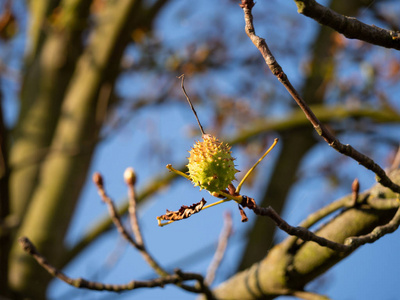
{"type": "Point", "coordinates": [175, 278]}
{"type": "Point", "coordinates": [348, 26]}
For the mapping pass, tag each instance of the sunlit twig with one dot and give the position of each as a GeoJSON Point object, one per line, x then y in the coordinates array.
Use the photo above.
{"type": "Point", "coordinates": [278, 72]}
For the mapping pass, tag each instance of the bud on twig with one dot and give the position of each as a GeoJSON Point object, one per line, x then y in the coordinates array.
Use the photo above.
{"type": "Point", "coordinates": [97, 179]}
{"type": "Point", "coordinates": [355, 188]}
{"type": "Point", "coordinates": [130, 176]}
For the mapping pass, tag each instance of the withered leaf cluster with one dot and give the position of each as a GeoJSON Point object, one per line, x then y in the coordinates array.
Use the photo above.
{"type": "Point", "coordinates": [184, 212]}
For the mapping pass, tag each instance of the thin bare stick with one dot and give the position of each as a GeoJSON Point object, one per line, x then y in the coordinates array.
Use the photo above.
{"type": "Point", "coordinates": [320, 214]}
{"type": "Point", "coordinates": [130, 180]}
{"type": "Point", "coordinates": [221, 248]}
{"type": "Point", "coordinates": [216, 203]}
{"type": "Point", "coordinates": [350, 243]}
{"type": "Point", "coordinates": [115, 217]}
{"type": "Point", "coordinates": [299, 232]}
{"type": "Point", "coordinates": [190, 103]}
{"type": "Point", "coordinates": [276, 69]}
{"type": "Point", "coordinates": [176, 278]}
{"type": "Point", "coordinates": [98, 180]}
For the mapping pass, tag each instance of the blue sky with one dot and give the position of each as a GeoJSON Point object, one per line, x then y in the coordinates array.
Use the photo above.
{"type": "Point", "coordinates": [370, 273]}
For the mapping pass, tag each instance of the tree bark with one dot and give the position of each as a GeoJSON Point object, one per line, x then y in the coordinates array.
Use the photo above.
{"type": "Point", "coordinates": [64, 169]}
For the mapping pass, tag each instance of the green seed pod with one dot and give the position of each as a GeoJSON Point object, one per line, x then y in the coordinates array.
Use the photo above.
{"type": "Point", "coordinates": [211, 165]}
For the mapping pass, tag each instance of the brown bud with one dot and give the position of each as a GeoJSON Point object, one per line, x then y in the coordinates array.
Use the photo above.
{"type": "Point", "coordinates": [355, 186]}
{"type": "Point", "coordinates": [97, 179]}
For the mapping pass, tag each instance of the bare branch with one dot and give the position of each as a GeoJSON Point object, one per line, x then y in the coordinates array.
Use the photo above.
{"type": "Point", "coordinates": [221, 248]}
{"type": "Point", "coordinates": [130, 180]}
{"type": "Point", "coordinates": [293, 120]}
{"type": "Point", "coordinates": [98, 180]}
{"type": "Point", "coordinates": [350, 243]}
{"type": "Point", "coordinates": [105, 223]}
{"type": "Point", "coordinates": [348, 26]}
{"type": "Point", "coordinates": [190, 103]}
{"type": "Point", "coordinates": [115, 217]}
{"type": "Point", "coordinates": [299, 232]}
{"type": "Point", "coordinates": [276, 69]}
{"type": "Point", "coordinates": [176, 278]}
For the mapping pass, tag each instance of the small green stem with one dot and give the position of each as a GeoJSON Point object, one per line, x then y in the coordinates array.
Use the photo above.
{"type": "Point", "coordinates": [216, 203]}
{"type": "Point", "coordinates": [255, 165]}
{"type": "Point", "coordinates": [169, 167]}
{"type": "Point", "coordinates": [237, 199]}
{"type": "Point", "coordinates": [163, 224]}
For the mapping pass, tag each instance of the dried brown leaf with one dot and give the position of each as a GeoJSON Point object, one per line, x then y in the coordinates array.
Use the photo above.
{"type": "Point", "coordinates": [184, 212]}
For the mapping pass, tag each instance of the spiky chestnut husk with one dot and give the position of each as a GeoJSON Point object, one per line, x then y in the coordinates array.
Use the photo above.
{"type": "Point", "coordinates": [211, 164]}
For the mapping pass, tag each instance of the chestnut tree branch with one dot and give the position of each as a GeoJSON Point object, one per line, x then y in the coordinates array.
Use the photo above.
{"type": "Point", "coordinates": [175, 278]}
{"type": "Point", "coordinates": [278, 72]}
{"type": "Point", "coordinates": [350, 27]}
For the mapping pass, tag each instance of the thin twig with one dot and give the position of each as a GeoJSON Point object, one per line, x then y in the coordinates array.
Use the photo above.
{"type": "Point", "coordinates": [350, 243]}
{"type": "Point", "coordinates": [98, 180]}
{"type": "Point", "coordinates": [221, 248]}
{"type": "Point", "coordinates": [130, 180]}
{"type": "Point", "coordinates": [320, 214]}
{"type": "Point", "coordinates": [105, 223]}
{"type": "Point", "coordinates": [190, 103]}
{"type": "Point", "coordinates": [299, 232]}
{"type": "Point", "coordinates": [176, 278]}
{"type": "Point", "coordinates": [115, 217]}
{"type": "Point", "coordinates": [239, 187]}
{"type": "Point", "coordinates": [276, 69]}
